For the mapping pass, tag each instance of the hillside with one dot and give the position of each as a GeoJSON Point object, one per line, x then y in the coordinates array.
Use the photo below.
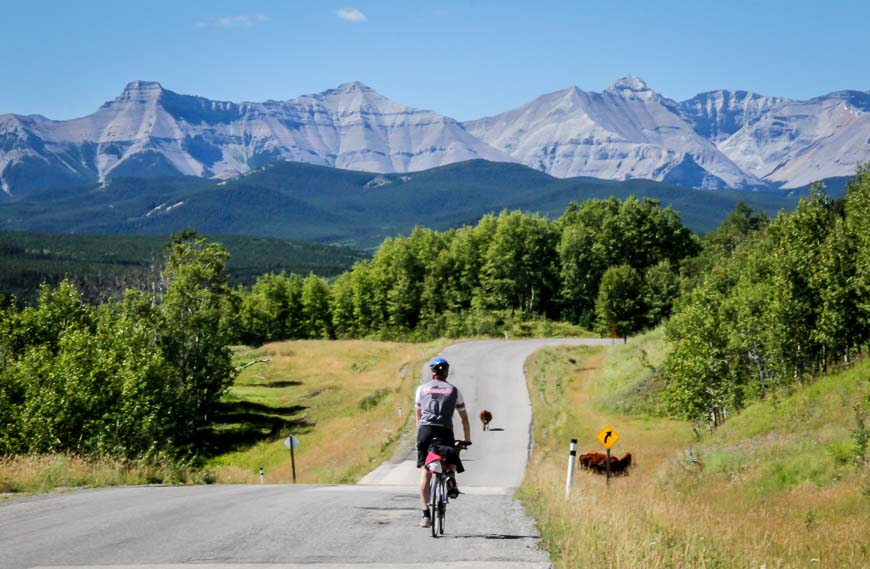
{"type": "Point", "coordinates": [103, 263]}
{"type": "Point", "coordinates": [780, 484]}
{"type": "Point", "coordinates": [292, 200]}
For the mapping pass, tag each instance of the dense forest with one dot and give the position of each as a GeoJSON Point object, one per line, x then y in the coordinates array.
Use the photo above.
{"type": "Point", "coordinates": [756, 304]}
{"type": "Point", "coordinates": [311, 203]}
{"type": "Point", "coordinates": [104, 266]}
{"type": "Point", "coordinates": [134, 377]}
{"type": "Point", "coordinates": [772, 304]}
{"type": "Point", "coordinates": [510, 271]}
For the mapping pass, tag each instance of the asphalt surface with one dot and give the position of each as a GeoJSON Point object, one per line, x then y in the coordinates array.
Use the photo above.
{"type": "Point", "coordinates": [373, 524]}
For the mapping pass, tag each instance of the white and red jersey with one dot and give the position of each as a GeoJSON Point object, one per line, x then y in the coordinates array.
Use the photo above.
{"type": "Point", "coordinates": [437, 400]}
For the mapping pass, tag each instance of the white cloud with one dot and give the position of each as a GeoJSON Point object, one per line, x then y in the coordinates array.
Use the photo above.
{"type": "Point", "coordinates": [351, 15]}
{"type": "Point", "coordinates": [241, 21]}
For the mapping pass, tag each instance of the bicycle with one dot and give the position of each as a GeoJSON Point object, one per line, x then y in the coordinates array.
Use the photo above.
{"type": "Point", "coordinates": [441, 471]}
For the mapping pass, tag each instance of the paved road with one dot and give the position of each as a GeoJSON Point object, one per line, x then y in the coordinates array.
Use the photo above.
{"type": "Point", "coordinates": [371, 525]}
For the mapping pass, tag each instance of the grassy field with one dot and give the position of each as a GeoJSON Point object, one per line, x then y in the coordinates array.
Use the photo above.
{"type": "Point", "coordinates": [38, 474]}
{"type": "Point", "coordinates": [346, 402]}
{"type": "Point", "coordinates": [777, 486]}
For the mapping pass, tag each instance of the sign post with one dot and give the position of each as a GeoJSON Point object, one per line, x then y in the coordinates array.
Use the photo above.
{"type": "Point", "coordinates": [292, 442]}
{"type": "Point", "coordinates": [608, 437]}
{"type": "Point", "coordinates": [613, 332]}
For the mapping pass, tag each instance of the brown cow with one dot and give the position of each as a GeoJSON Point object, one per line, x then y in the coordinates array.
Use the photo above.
{"type": "Point", "coordinates": [485, 418]}
{"type": "Point", "coordinates": [591, 459]}
{"type": "Point", "coordinates": [620, 465]}
{"type": "Point", "coordinates": [596, 461]}
{"type": "Point", "coordinates": [598, 464]}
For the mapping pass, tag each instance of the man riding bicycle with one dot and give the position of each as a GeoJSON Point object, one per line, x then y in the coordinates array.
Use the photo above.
{"type": "Point", "coordinates": [436, 402]}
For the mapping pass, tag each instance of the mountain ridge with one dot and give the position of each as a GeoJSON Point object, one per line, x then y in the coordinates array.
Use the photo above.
{"type": "Point", "coordinates": [308, 202]}
{"type": "Point", "coordinates": [716, 140]}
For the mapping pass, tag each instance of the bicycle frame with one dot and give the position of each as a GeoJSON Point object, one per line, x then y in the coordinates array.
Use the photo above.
{"type": "Point", "coordinates": [438, 499]}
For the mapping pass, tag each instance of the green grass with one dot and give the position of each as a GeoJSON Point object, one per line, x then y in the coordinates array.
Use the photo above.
{"type": "Point", "coordinates": [39, 474]}
{"type": "Point", "coordinates": [780, 484]}
{"type": "Point", "coordinates": [347, 402]}
{"type": "Point", "coordinates": [809, 432]}
{"type": "Point", "coordinates": [822, 406]}
{"type": "Point", "coordinates": [632, 381]}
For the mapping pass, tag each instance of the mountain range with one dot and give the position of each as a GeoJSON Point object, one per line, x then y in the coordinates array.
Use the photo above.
{"type": "Point", "coordinates": [715, 140]}
{"type": "Point", "coordinates": [306, 202]}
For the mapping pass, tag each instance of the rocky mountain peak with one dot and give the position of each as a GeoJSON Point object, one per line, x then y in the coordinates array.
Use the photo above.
{"type": "Point", "coordinates": [858, 99]}
{"type": "Point", "coordinates": [716, 139]}
{"type": "Point", "coordinates": [353, 87]}
{"type": "Point", "coordinates": [142, 87]}
{"type": "Point", "coordinates": [141, 91]}
{"type": "Point", "coordinates": [630, 85]}
{"type": "Point", "coordinates": [351, 90]}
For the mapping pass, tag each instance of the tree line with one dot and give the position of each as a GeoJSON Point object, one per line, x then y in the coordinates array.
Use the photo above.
{"type": "Point", "coordinates": [499, 275]}
{"type": "Point", "coordinates": [756, 304]}
{"type": "Point", "coordinates": [136, 377]}
{"type": "Point", "coordinates": [104, 266]}
{"type": "Point", "coordinates": [771, 303]}
{"type": "Point", "coordinates": [140, 375]}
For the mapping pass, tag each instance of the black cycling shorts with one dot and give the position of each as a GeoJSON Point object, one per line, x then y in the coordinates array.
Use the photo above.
{"type": "Point", "coordinates": [425, 434]}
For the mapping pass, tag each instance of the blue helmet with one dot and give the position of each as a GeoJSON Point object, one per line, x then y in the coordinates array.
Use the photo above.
{"type": "Point", "coordinates": [440, 368]}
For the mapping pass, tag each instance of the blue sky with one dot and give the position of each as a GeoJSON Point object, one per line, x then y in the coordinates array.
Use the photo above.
{"type": "Point", "coordinates": [465, 59]}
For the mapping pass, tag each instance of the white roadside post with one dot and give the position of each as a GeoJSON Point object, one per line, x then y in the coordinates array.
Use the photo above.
{"type": "Point", "coordinates": [262, 476]}
{"type": "Point", "coordinates": [571, 459]}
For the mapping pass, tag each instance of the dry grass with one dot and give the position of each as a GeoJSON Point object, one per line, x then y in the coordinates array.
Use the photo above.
{"type": "Point", "coordinates": [36, 474]}
{"type": "Point", "coordinates": [670, 512]}
{"type": "Point", "coordinates": [348, 402]}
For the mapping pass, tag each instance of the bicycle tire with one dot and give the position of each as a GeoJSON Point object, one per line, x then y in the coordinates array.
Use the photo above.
{"type": "Point", "coordinates": [442, 515]}
{"type": "Point", "coordinates": [433, 505]}
{"type": "Point", "coordinates": [440, 496]}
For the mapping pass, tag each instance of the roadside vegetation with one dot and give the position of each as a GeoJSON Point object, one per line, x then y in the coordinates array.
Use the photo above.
{"type": "Point", "coordinates": [746, 413]}
{"type": "Point", "coordinates": [756, 308]}
{"type": "Point", "coordinates": [784, 482]}
{"type": "Point", "coordinates": [132, 379]}
{"type": "Point", "coordinates": [39, 473]}
{"type": "Point", "coordinates": [346, 401]}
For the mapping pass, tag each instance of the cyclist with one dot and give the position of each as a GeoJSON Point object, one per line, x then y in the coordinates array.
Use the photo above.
{"type": "Point", "coordinates": [436, 401]}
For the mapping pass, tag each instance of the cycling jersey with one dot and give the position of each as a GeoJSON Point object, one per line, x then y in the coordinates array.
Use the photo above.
{"type": "Point", "coordinates": [437, 400]}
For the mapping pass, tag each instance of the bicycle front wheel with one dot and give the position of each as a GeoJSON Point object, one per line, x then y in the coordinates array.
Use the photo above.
{"type": "Point", "coordinates": [440, 501]}
{"type": "Point", "coordinates": [433, 505]}
{"type": "Point", "coordinates": [442, 513]}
